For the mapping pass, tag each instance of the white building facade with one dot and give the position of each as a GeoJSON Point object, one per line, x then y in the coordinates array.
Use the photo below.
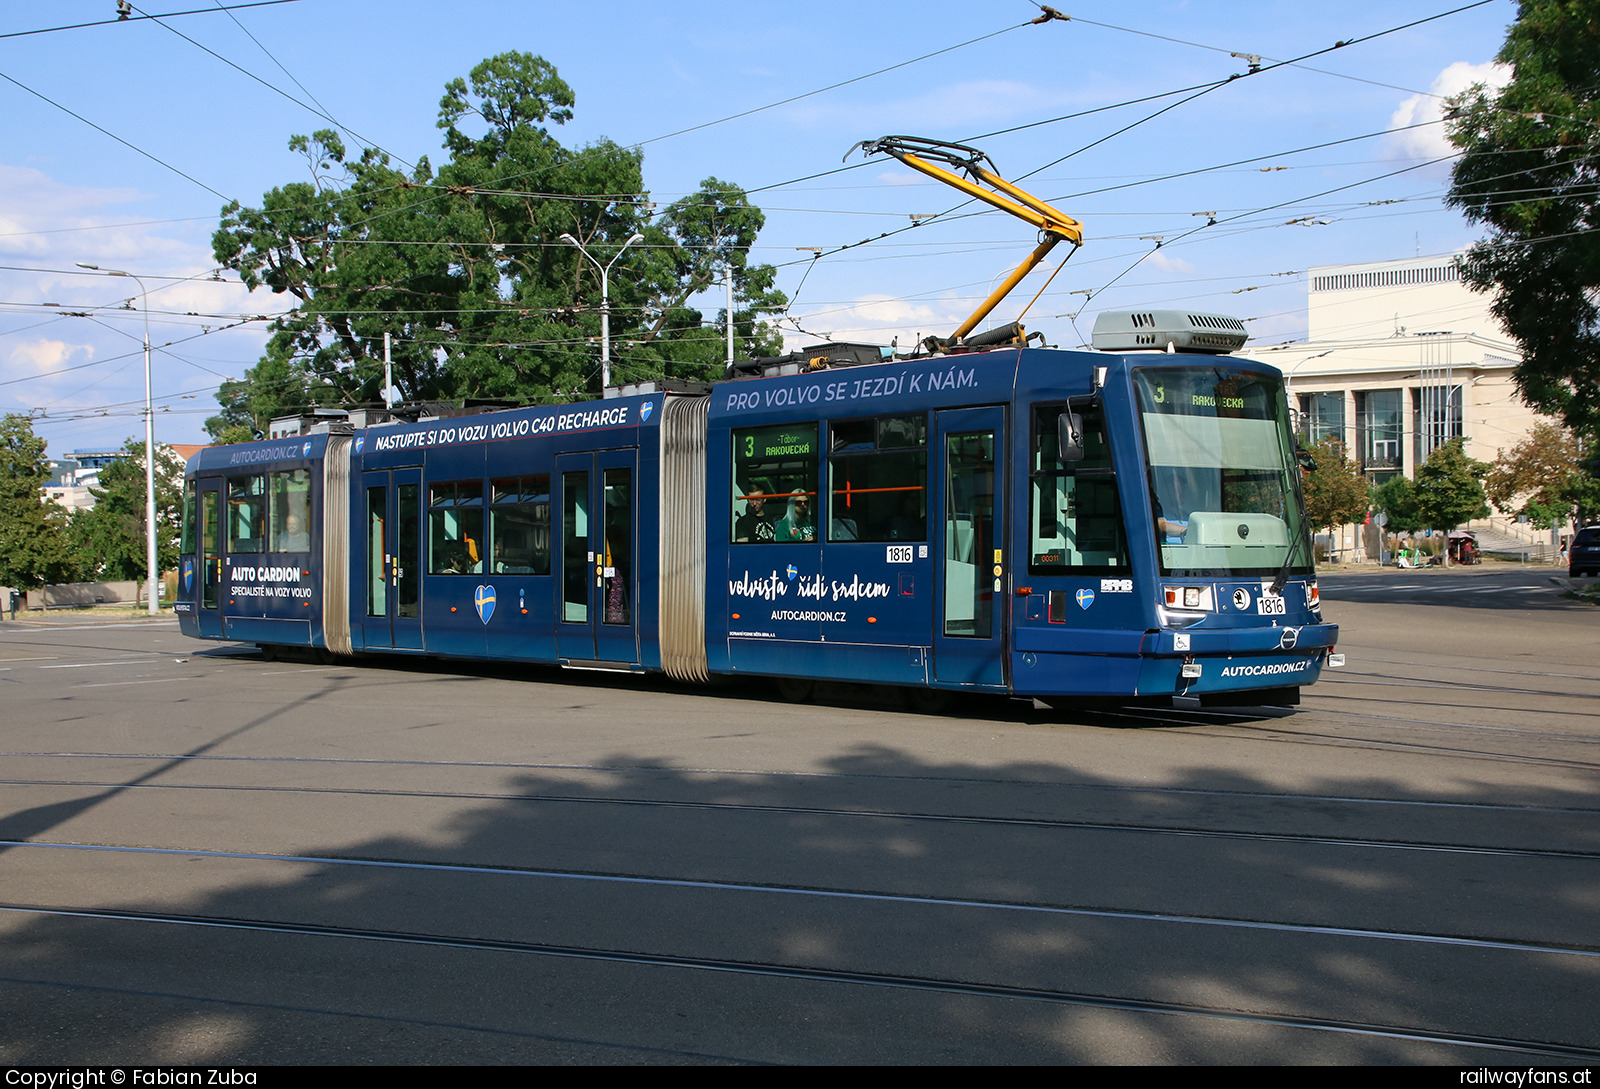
{"type": "Point", "coordinates": [1402, 357]}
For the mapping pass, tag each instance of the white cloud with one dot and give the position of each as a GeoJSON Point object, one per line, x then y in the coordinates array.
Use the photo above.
{"type": "Point", "coordinates": [45, 356]}
{"type": "Point", "coordinates": [1169, 264]}
{"type": "Point", "coordinates": [46, 228]}
{"type": "Point", "coordinates": [879, 319]}
{"type": "Point", "coordinates": [1430, 141]}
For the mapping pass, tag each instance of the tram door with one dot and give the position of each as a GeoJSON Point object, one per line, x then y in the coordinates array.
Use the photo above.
{"type": "Point", "coordinates": [391, 543]}
{"type": "Point", "coordinates": [209, 540]}
{"type": "Point", "coordinates": [969, 536]}
{"type": "Point", "coordinates": [596, 611]}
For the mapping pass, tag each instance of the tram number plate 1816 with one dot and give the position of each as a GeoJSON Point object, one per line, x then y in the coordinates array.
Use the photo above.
{"type": "Point", "coordinates": [899, 554]}
{"type": "Point", "coordinates": [1269, 605]}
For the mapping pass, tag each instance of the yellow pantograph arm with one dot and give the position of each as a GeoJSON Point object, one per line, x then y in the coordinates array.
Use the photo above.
{"type": "Point", "coordinates": [1023, 205]}
{"type": "Point", "coordinates": [1056, 226]}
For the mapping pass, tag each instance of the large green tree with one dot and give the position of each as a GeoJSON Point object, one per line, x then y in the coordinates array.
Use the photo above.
{"type": "Point", "coordinates": [1529, 175]}
{"type": "Point", "coordinates": [1336, 490]}
{"type": "Point", "coordinates": [33, 541]}
{"type": "Point", "coordinates": [1449, 487]}
{"type": "Point", "coordinates": [466, 269]}
{"type": "Point", "coordinates": [1548, 477]}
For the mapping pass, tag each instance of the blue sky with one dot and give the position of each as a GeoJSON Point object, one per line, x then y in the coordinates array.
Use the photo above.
{"type": "Point", "coordinates": [70, 192]}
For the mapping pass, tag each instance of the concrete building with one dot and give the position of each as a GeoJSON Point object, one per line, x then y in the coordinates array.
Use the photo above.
{"type": "Point", "coordinates": [72, 477]}
{"type": "Point", "coordinates": [1401, 357]}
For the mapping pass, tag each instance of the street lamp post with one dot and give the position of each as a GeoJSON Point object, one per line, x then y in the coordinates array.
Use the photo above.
{"type": "Point", "coordinates": [605, 302]}
{"type": "Point", "coordinates": [152, 575]}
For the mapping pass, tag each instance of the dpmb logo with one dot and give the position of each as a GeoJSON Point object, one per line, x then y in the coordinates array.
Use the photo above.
{"type": "Point", "coordinates": [483, 598]}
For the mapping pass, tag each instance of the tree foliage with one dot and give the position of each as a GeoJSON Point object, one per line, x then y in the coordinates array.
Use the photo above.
{"type": "Point", "coordinates": [1397, 498]}
{"type": "Point", "coordinates": [466, 269]}
{"type": "Point", "coordinates": [1547, 477]}
{"type": "Point", "coordinates": [1336, 491]}
{"type": "Point", "coordinates": [1530, 176]}
{"type": "Point", "coordinates": [1449, 487]}
{"type": "Point", "coordinates": [33, 540]}
{"type": "Point", "coordinates": [109, 538]}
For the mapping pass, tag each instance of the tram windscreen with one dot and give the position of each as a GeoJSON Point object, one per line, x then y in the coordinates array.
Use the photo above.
{"type": "Point", "coordinates": [1224, 485]}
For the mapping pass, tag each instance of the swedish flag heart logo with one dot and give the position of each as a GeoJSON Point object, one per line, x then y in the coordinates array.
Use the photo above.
{"type": "Point", "coordinates": [483, 598]}
{"type": "Point", "coordinates": [188, 575]}
{"type": "Point", "coordinates": [1085, 598]}
{"type": "Point", "coordinates": [645, 410]}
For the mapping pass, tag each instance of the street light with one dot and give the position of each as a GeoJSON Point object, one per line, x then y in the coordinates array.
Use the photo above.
{"type": "Point", "coordinates": [152, 575]}
{"type": "Point", "coordinates": [605, 302]}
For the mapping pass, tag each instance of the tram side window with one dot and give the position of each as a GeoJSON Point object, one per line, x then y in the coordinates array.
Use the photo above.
{"type": "Point", "coordinates": [291, 505]}
{"type": "Point", "coordinates": [187, 547]}
{"type": "Point", "coordinates": [519, 525]}
{"type": "Point", "coordinates": [455, 528]}
{"type": "Point", "coordinates": [878, 479]}
{"type": "Point", "coordinates": [774, 484]}
{"type": "Point", "coordinates": [1074, 514]}
{"type": "Point", "coordinates": [247, 513]}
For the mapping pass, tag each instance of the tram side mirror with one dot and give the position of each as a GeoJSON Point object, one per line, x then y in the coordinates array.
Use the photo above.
{"type": "Point", "coordinates": [1069, 437]}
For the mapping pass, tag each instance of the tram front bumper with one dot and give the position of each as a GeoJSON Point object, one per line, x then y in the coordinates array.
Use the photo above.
{"type": "Point", "coordinates": [1200, 663]}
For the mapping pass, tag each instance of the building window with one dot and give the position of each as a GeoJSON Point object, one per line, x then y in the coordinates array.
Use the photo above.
{"type": "Point", "coordinates": [1322, 417]}
{"type": "Point", "coordinates": [1437, 418]}
{"type": "Point", "coordinates": [1378, 429]}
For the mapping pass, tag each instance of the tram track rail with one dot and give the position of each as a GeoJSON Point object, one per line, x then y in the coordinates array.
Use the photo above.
{"type": "Point", "coordinates": [910, 816]}
{"type": "Point", "coordinates": [780, 775]}
{"type": "Point", "coordinates": [816, 892]}
{"type": "Point", "coordinates": [773, 969]}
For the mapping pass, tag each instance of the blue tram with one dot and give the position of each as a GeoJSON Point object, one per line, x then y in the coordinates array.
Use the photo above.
{"type": "Point", "coordinates": [1057, 524]}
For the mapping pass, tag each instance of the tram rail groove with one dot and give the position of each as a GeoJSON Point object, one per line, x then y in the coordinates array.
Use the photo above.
{"type": "Point", "coordinates": [1553, 1049]}
{"type": "Point", "coordinates": [1425, 846]}
{"type": "Point", "coordinates": [1117, 788]}
{"type": "Point", "coordinates": [1571, 949]}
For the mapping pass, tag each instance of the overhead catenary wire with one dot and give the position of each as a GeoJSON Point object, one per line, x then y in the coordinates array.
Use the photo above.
{"type": "Point", "coordinates": [141, 17]}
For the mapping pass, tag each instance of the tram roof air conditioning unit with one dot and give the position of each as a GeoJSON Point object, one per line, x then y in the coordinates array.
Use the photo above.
{"type": "Point", "coordinates": [1153, 330]}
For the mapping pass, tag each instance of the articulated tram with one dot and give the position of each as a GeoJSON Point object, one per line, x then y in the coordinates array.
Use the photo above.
{"type": "Point", "coordinates": [1119, 523]}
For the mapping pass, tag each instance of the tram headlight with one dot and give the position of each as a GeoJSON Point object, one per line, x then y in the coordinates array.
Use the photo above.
{"type": "Point", "coordinates": [1188, 597]}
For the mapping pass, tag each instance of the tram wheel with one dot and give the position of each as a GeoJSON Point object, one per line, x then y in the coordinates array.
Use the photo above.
{"type": "Point", "coordinates": [269, 653]}
{"type": "Point", "coordinates": [326, 656]}
{"type": "Point", "coordinates": [795, 689]}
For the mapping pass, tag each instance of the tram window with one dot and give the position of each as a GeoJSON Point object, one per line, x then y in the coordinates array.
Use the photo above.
{"type": "Point", "coordinates": [187, 547]}
{"type": "Point", "coordinates": [291, 504]}
{"type": "Point", "coordinates": [878, 479]}
{"type": "Point", "coordinates": [774, 484]}
{"type": "Point", "coordinates": [519, 525]}
{"type": "Point", "coordinates": [247, 513]}
{"type": "Point", "coordinates": [1074, 514]}
{"type": "Point", "coordinates": [455, 528]}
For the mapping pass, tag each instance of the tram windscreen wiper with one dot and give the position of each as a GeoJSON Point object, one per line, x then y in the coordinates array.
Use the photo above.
{"type": "Point", "coordinates": [1288, 561]}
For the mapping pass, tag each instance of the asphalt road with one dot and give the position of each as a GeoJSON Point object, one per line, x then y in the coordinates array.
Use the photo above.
{"type": "Point", "coordinates": [1494, 586]}
{"type": "Point", "coordinates": [210, 858]}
